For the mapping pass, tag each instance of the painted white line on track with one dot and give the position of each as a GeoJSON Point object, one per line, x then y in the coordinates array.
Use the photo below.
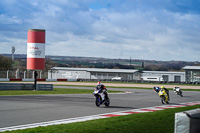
{"type": "Point", "coordinates": [153, 108]}
{"type": "Point", "coordinates": [56, 122]}
{"type": "Point", "coordinates": [99, 116]}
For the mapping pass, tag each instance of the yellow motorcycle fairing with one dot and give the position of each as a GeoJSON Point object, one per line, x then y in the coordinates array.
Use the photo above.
{"type": "Point", "coordinates": [163, 93]}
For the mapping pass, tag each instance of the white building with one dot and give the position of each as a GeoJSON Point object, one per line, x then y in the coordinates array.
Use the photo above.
{"type": "Point", "coordinates": [192, 73]}
{"type": "Point", "coordinates": [93, 73]}
{"type": "Point", "coordinates": [114, 74]}
{"type": "Point", "coordinates": [163, 76]}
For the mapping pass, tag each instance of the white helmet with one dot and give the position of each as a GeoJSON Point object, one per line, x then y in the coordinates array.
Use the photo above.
{"type": "Point", "coordinates": [98, 83]}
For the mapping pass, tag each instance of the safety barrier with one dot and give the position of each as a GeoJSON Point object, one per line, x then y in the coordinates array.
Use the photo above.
{"type": "Point", "coordinates": [139, 81]}
{"type": "Point", "coordinates": [187, 122]}
{"type": "Point", "coordinates": [107, 80]}
{"type": "Point", "coordinates": [22, 86]}
{"type": "Point", "coordinates": [50, 80]}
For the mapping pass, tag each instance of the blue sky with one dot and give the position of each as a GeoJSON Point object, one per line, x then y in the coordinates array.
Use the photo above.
{"type": "Point", "coordinates": [140, 29]}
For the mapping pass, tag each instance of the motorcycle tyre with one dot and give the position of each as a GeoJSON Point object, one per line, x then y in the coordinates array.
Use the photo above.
{"type": "Point", "coordinates": [162, 99]}
{"type": "Point", "coordinates": [181, 94]}
{"type": "Point", "coordinates": [107, 103]}
{"type": "Point", "coordinates": [98, 101]}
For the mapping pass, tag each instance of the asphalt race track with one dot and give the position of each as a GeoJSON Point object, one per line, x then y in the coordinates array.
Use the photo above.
{"type": "Point", "coordinates": [20, 110]}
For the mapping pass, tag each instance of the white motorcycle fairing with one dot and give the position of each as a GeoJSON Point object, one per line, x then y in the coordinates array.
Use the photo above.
{"type": "Point", "coordinates": [100, 98]}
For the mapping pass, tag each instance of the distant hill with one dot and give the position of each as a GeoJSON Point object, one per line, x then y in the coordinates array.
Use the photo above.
{"type": "Point", "coordinates": [98, 62]}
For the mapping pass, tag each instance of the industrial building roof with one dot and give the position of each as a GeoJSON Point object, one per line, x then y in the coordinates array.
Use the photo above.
{"type": "Point", "coordinates": [165, 72]}
{"type": "Point", "coordinates": [191, 68]}
{"type": "Point", "coordinates": [97, 70]}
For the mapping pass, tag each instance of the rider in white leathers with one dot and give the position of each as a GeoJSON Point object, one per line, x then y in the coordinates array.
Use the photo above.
{"type": "Point", "coordinates": [103, 88]}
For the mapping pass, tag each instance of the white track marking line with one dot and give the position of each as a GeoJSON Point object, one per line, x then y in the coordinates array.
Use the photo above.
{"type": "Point", "coordinates": [99, 116]}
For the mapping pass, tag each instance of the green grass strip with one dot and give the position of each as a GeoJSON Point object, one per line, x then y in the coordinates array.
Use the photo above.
{"type": "Point", "coordinates": [151, 122]}
{"type": "Point", "coordinates": [140, 83]}
{"type": "Point", "coordinates": [55, 91]}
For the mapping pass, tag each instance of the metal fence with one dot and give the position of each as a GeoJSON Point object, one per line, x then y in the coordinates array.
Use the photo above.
{"type": "Point", "coordinates": [22, 86]}
{"type": "Point", "coordinates": [19, 74]}
{"type": "Point", "coordinates": [139, 81]}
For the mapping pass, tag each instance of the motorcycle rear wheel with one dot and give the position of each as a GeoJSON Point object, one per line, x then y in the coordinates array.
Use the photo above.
{"type": "Point", "coordinates": [107, 102]}
{"type": "Point", "coordinates": [181, 94]}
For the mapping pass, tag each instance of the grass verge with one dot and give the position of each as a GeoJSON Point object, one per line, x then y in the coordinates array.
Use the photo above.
{"type": "Point", "coordinates": [140, 83]}
{"type": "Point", "coordinates": [152, 122]}
{"type": "Point", "coordinates": [55, 91]}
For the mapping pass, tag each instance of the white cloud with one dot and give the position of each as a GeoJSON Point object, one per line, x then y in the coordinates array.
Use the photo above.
{"type": "Point", "coordinates": [4, 19]}
{"type": "Point", "coordinates": [6, 43]}
{"type": "Point", "coordinates": [73, 28]}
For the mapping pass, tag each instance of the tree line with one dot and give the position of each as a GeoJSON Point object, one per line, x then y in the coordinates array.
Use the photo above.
{"type": "Point", "coordinates": [20, 63]}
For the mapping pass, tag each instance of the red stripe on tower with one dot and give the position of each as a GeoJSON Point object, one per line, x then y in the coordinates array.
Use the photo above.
{"type": "Point", "coordinates": [36, 49]}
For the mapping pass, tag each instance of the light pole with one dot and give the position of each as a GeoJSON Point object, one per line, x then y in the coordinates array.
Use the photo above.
{"type": "Point", "coordinates": [12, 52]}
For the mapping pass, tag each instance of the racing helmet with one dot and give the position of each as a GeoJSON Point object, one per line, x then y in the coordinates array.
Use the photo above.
{"type": "Point", "coordinates": [162, 87]}
{"type": "Point", "coordinates": [98, 83]}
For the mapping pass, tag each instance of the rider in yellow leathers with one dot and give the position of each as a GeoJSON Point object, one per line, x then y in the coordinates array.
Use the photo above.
{"type": "Point", "coordinates": [167, 91]}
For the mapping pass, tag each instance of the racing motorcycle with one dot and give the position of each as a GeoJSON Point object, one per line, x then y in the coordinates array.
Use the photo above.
{"type": "Point", "coordinates": [164, 97]}
{"type": "Point", "coordinates": [100, 98]}
{"type": "Point", "coordinates": [178, 91]}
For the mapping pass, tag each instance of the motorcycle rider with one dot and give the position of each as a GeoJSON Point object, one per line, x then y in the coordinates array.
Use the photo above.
{"type": "Point", "coordinates": [176, 87]}
{"type": "Point", "coordinates": [103, 88]}
{"type": "Point", "coordinates": [166, 90]}
{"type": "Point", "coordinates": [177, 90]}
{"type": "Point", "coordinates": [156, 89]}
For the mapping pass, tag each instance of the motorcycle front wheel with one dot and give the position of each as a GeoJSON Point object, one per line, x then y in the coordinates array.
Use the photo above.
{"type": "Point", "coordinates": [163, 99]}
{"type": "Point", "coordinates": [98, 101]}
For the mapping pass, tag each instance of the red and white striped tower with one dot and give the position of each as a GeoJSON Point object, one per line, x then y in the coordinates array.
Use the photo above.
{"type": "Point", "coordinates": [36, 52]}
{"type": "Point", "coordinates": [36, 49]}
